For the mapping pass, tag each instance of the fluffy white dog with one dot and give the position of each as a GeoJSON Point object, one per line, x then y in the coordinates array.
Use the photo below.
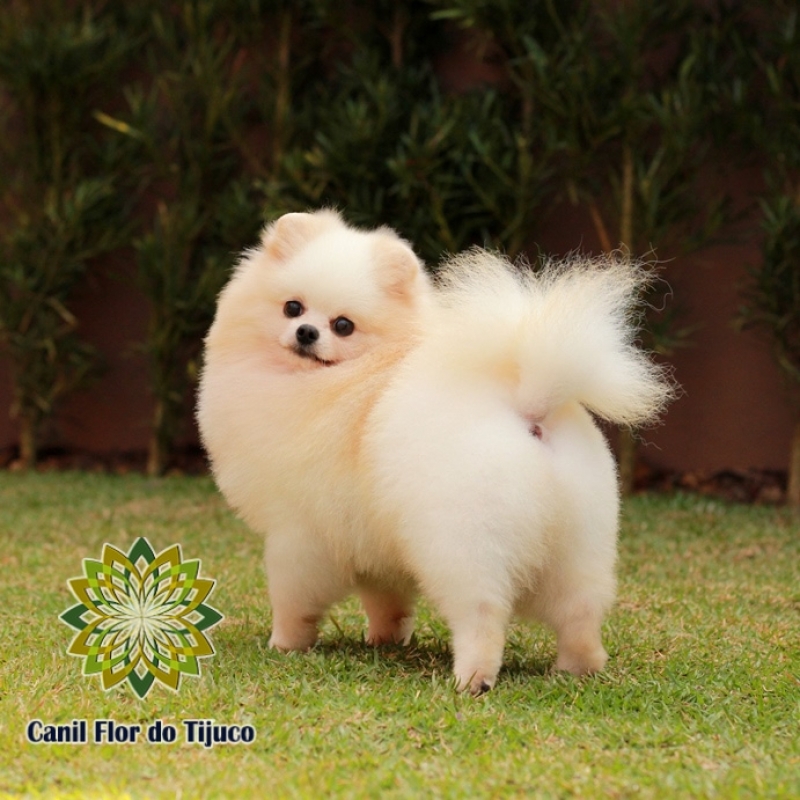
{"type": "Point", "coordinates": [389, 439]}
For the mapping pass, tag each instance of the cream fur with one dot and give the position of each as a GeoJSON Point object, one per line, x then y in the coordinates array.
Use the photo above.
{"type": "Point", "coordinates": [448, 451]}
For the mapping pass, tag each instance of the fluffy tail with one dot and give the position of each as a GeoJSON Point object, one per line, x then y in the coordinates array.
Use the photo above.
{"type": "Point", "coordinates": [565, 333]}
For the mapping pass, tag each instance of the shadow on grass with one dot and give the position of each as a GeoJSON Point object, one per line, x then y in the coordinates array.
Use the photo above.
{"type": "Point", "coordinates": [247, 647]}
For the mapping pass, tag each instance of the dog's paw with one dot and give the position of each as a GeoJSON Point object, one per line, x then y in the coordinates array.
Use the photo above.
{"type": "Point", "coordinates": [582, 663]}
{"type": "Point", "coordinates": [476, 684]}
{"type": "Point", "coordinates": [294, 634]}
{"type": "Point", "coordinates": [396, 630]}
{"type": "Point", "coordinates": [283, 646]}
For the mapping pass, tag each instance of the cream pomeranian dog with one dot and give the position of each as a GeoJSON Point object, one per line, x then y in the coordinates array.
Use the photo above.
{"type": "Point", "coordinates": [391, 439]}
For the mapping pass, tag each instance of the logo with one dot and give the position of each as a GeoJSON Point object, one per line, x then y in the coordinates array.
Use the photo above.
{"type": "Point", "coordinates": [141, 617]}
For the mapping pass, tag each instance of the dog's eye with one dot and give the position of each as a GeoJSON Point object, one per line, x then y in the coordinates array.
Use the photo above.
{"type": "Point", "coordinates": [293, 308]}
{"type": "Point", "coordinates": [342, 326]}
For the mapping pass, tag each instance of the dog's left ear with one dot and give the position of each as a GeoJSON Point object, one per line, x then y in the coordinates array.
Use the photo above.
{"type": "Point", "coordinates": [288, 234]}
{"type": "Point", "coordinates": [398, 265]}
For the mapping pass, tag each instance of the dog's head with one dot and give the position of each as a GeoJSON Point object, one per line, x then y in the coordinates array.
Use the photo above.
{"type": "Point", "coordinates": [317, 292]}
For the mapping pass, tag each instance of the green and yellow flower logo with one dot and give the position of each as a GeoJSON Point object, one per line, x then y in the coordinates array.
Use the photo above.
{"type": "Point", "coordinates": [141, 617]}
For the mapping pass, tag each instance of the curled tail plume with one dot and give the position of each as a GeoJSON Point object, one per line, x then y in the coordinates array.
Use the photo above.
{"type": "Point", "coordinates": [565, 333]}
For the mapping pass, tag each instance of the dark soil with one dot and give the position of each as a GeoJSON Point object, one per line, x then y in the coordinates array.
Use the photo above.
{"type": "Point", "coordinates": [762, 486]}
{"type": "Point", "coordinates": [186, 461]}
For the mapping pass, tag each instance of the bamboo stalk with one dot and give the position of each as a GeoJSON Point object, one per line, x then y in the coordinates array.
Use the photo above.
{"type": "Point", "coordinates": [627, 446]}
{"type": "Point", "coordinates": [283, 87]}
{"type": "Point", "coordinates": [27, 442]}
{"type": "Point", "coordinates": [626, 221]}
{"type": "Point", "coordinates": [156, 451]}
{"type": "Point", "coordinates": [600, 228]}
{"type": "Point", "coordinates": [793, 490]}
{"type": "Point", "coordinates": [397, 35]}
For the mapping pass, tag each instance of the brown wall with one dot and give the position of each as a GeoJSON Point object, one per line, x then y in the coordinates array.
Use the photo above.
{"type": "Point", "coordinates": [733, 413]}
{"type": "Point", "coordinates": [113, 414]}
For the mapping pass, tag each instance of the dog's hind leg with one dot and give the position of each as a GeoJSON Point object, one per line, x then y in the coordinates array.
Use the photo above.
{"type": "Point", "coordinates": [572, 598]}
{"type": "Point", "coordinates": [479, 635]}
{"type": "Point", "coordinates": [577, 584]}
{"type": "Point", "coordinates": [580, 649]}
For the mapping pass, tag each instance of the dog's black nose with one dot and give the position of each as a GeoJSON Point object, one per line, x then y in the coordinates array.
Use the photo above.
{"type": "Point", "coordinates": [307, 334]}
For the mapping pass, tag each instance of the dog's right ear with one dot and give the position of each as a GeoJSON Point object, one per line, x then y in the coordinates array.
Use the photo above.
{"type": "Point", "coordinates": [402, 271]}
{"type": "Point", "coordinates": [284, 237]}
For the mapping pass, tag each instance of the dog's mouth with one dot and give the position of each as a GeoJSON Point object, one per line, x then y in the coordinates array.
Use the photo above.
{"type": "Point", "coordinates": [312, 356]}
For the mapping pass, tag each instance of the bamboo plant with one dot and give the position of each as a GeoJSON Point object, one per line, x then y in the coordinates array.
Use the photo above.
{"type": "Point", "coordinates": [389, 146]}
{"type": "Point", "coordinates": [367, 131]}
{"type": "Point", "coordinates": [769, 109]}
{"type": "Point", "coordinates": [653, 149]}
{"type": "Point", "coordinates": [516, 151]}
{"type": "Point", "coordinates": [616, 99]}
{"type": "Point", "coordinates": [187, 119]}
{"type": "Point", "coordinates": [59, 203]}
{"type": "Point", "coordinates": [629, 139]}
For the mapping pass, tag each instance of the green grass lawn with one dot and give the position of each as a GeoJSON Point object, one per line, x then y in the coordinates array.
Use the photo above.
{"type": "Point", "coordinates": [701, 697]}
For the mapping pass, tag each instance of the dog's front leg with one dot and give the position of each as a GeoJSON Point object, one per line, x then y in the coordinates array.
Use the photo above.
{"type": "Point", "coordinates": [303, 583]}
